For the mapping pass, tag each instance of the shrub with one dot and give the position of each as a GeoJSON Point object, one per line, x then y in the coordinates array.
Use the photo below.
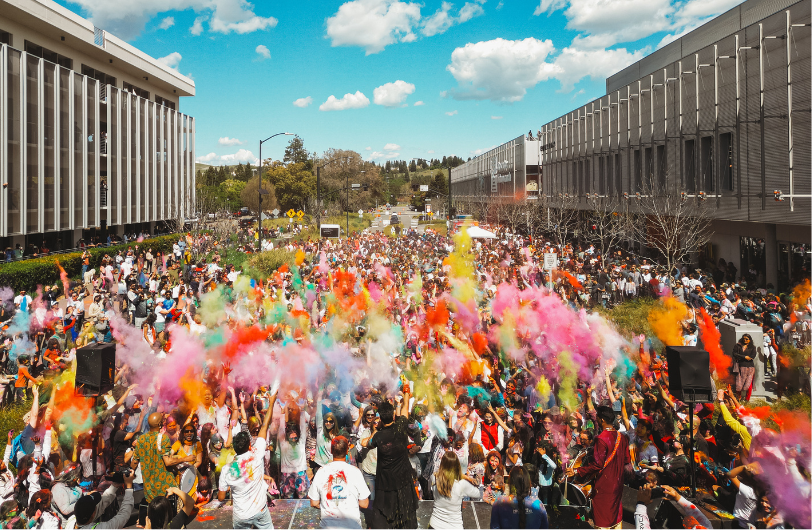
{"type": "Point", "coordinates": [29, 274]}
{"type": "Point", "coordinates": [266, 263]}
{"type": "Point", "coordinates": [631, 318]}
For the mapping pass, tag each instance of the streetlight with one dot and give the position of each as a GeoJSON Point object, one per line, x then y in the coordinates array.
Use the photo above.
{"type": "Point", "coordinates": [348, 201]}
{"type": "Point", "coordinates": [318, 189]}
{"type": "Point", "coordinates": [259, 248]}
{"type": "Point", "coordinates": [448, 167]}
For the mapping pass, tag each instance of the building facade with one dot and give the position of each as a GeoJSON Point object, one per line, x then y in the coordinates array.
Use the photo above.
{"type": "Point", "coordinates": [91, 141]}
{"type": "Point", "coordinates": [721, 114]}
{"type": "Point", "coordinates": [509, 170]}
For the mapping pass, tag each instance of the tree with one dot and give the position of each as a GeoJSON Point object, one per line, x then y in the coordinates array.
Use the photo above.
{"type": "Point", "coordinates": [250, 196]}
{"type": "Point", "coordinates": [558, 216]}
{"type": "Point", "coordinates": [672, 225]}
{"type": "Point", "coordinates": [412, 166]}
{"type": "Point", "coordinates": [418, 200]}
{"type": "Point", "coordinates": [293, 184]}
{"type": "Point", "coordinates": [606, 224]}
{"type": "Point", "coordinates": [440, 183]}
{"type": "Point", "coordinates": [295, 153]}
{"type": "Point", "coordinates": [342, 168]}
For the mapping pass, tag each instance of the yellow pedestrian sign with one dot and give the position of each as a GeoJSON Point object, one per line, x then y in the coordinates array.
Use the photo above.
{"type": "Point", "coordinates": [290, 213]}
{"type": "Point", "coordinates": [300, 214]}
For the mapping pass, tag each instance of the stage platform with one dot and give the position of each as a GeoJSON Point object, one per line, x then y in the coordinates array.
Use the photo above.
{"type": "Point", "coordinates": [290, 514]}
{"type": "Point", "coordinates": [298, 514]}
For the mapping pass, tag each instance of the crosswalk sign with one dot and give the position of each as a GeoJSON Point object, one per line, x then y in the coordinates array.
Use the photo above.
{"type": "Point", "coordinates": [290, 213]}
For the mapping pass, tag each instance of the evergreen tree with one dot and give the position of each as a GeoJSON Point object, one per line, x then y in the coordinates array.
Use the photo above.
{"type": "Point", "coordinates": [295, 153]}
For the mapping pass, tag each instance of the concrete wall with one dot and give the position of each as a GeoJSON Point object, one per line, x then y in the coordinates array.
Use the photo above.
{"type": "Point", "coordinates": [46, 23]}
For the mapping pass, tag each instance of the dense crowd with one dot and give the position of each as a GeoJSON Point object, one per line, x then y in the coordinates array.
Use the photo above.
{"type": "Point", "coordinates": [372, 372]}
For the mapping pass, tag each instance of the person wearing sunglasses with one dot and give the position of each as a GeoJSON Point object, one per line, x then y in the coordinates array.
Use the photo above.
{"type": "Point", "coordinates": [186, 447]}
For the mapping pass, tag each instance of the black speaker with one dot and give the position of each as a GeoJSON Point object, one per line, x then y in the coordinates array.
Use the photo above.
{"type": "Point", "coordinates": [95, 369]}
{"type": "Point", "coordinates": [689, 372]}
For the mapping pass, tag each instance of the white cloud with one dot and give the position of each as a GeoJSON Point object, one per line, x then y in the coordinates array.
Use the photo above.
{"type": "Point", "coordinates": [573, 64]}
{"type": "Point", "coordinates": [167, 23]}
{"type": "Point", "coordinates": [229, 141]}
{"type": "Point", "coordinates": [391, 147]}
{"type": "Point", "coordinates": [442, 19]}
{"type": "Point", "coordinates": [263, 52]}
{"type": "Point", "coordinates": [451, 113]}
{"type": "Point", "coordinates": [303, 102]}
{"type": "Point", "coordinates": [240, 157]}
{"type": "Point", "coordinates": [127, 19]}
{"type": "Point", "coordinates": [374, 155]}
{"type": "Point", "coordinates": [496, 117]}
{"type": "Point", "coordinates": [349, 101]}
{"type": "Point", "coordinates": [439, 22]}
{"type": "Point", "coordinates": [373, 24]}
{"type": "Point", "coordinates": [499, 69]}
{"type": "Point", "coordinates": [242, 23]}
{"type": "Point", "coordinates": [503, 70]}
{"type": "Point", "coordinates": [603, 23]}
{"type": "Point", "coordinates": [197, 27]}
{"type": "Point", "coordinates": [367, 148]}
{"type": "Point", "coordinates": [392, 94]}
{"type": "Point", "coordinates": [172, 60]}
{"type": "Point", "coordinates": [418, 103]}
{"type": "Point", "coordinates": [470, 10]}
{"type": "Point", "coordinates": [205, 159]}
{"type": "Point", "coordinates": [477, 152]}
{"type": "Point", "coordinates": [430, 151]}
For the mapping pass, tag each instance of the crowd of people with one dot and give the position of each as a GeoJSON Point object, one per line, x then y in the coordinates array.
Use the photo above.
{"type": "Point", "coordinates": [373, 372]}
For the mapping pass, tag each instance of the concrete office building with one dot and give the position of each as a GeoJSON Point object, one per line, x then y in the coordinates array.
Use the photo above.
{"type": "Point", "coordinates": [509, 170]}
{"type": "Point", "coordinates": [91, 138]}
{"type": "Point", "coordinates": [721, 114]}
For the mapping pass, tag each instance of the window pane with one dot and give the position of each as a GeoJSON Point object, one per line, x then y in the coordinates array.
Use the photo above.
{"type": "Point", "coordinates": [14, 138]}
{"type": "Point", "coordinates": [32, 144]}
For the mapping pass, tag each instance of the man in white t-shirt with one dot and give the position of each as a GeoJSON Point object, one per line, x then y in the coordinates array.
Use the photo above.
{"type": "Point", "coordinates": [339, 490]}
{"type": "Point", "coordinates": [245, 477]}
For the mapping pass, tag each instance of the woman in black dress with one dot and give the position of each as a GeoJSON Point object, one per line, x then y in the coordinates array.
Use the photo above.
{"type": "Point", "coordinates": [395, 504]}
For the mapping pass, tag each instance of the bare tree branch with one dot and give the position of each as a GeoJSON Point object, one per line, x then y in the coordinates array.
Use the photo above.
{"type": "Point", "coordinates": [675, 226]}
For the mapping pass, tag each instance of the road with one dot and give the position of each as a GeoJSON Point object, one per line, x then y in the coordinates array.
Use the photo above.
{"type": "Point", "coordinates": [403, 214]}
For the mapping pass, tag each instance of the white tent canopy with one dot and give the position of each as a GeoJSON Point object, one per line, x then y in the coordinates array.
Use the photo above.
{"type": "Point", "coordinates": [477, 232]}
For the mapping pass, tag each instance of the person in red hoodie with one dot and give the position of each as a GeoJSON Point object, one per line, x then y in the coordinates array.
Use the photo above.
{"type": "Point", "coordinates": [611, 455]}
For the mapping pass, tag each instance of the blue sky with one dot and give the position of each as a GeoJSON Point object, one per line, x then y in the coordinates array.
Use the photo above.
{"type": "Point", "coordinates": [390, 79]}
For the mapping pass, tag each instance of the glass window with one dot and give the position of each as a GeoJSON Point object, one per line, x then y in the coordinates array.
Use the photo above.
{"type": "Point", "coordinates": [726, 151]}
{"type": "Point", "coordinates": [142, 159]}
{"type": "Point", "coordinates": [92, 142]}
{"type": "Point", "coordinates": [707, 164]}
{"type": "Point", "coordinates": [50, 144]}
{"type": "Point", "coordinates": [124, 159]}
{"type": "Point", "coordinates": [32, 177]}
{"type": "Point", "coordinates": [114, 184]}
{"type": "Point", "coordinates": [690, 167]}
{"type": "Point", "coordinates": [14, 139]}
{"type": "Point", "coordinates": [78, 158]}
{"type": "Point", "coordinates": [64, 148]}
{"type": "Point", "coordinates": [133, 161]}
{"type": "Point", "coordinates": [661, 165]}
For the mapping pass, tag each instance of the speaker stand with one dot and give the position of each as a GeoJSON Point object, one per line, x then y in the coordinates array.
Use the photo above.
{"type": "Point", "coordinates": [691, 404]}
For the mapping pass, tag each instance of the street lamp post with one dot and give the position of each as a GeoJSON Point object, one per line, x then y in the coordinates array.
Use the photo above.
{"type": "Point", "coordinates": [318, 191]}
{"type": "Point", "coordinates": [259, 189]}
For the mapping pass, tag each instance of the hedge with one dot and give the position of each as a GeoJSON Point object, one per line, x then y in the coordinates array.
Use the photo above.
{"type": "Point", "coordinates": [31, 273]}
